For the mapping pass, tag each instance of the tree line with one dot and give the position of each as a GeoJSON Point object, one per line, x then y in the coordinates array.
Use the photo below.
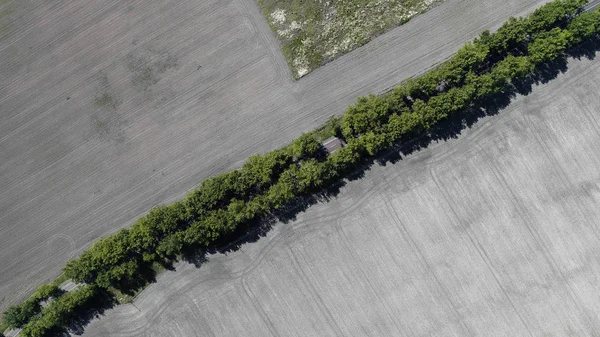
{"type": "Point", "coordinates": [207, 216]}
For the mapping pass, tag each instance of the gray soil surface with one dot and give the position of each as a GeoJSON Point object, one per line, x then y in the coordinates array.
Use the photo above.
{"type": "Point", "coordinates": [110, 107]}
{"type": "Point", "coordinates": [494, 233]}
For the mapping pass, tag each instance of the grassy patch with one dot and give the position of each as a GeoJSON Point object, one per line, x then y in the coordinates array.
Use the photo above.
{"type": "Point", "coordinates": [157, 268]}
{"type": "Point", "coordinates": [329, 129]}
{"type": "Point", "coordinates": [62, 278]}
{"type": "Point", "coordinates": [106, 100]}
{"type": "Point", "coordinates": [314, 32]}
{"type": "Point", "coordinates": [122, 298]}
{"type": "Point", "coordinates": [125, 298]}
{"type": "Point", "coordinates": [146, 66]}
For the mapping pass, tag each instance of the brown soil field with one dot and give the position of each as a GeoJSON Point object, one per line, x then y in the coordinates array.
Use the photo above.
{"type": "Point", "coordinates": [494, 233]}
{"type": "Point", "coordinates": [111, 107]}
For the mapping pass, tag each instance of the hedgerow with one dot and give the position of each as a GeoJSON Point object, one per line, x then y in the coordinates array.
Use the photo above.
{"type": "Point", "coordinates": [16, 316]}
{"type": "Point", "coordinates": [60, 311]}
{"type": "Point", "coordinates": [221, 205]}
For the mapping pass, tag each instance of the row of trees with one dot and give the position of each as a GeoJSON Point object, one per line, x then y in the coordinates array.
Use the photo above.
{"type": "Point", "coordinates": [61, 311]}
{"type": "Point", "coordinates": [516, 37]}
{"type": "Point", "coordinates": [18, 315]}
{"type": "Point", "coordinates": [225, 203]}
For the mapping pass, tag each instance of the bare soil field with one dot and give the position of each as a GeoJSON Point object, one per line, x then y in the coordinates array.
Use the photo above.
{"type": "Point", "coordinates": [494, 233]}
{"type": "Point", "coordinates": [111, 107]}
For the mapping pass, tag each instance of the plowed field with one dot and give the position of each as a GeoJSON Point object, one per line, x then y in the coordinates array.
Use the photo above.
{"type": "Point", "coordinates": [495, 233]}
{"type": "Point", "coordinates": [110, 107]}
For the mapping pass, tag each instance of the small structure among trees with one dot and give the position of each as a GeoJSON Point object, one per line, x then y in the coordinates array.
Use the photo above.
{"type": "Point", "coordinates": [332, 144]}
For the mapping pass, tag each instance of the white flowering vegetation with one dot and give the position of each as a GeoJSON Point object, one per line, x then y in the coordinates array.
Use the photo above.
{"type": "Point", "coordinates": [314, 32]}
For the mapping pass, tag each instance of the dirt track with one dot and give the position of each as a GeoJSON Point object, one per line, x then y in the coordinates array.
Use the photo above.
{"type": "Point", "coordinates": [492, 234]}
{"type": "Point", "coordinates": [111, 107]}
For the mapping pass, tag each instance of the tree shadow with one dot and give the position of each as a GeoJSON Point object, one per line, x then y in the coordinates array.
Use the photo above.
{"type": "Point", "coordinates": [453, 126]}
{"type": "Point", "coordinates": [258, 228]}
{"type": "Point", "coordinates": [95, 309]}
{"type": "Point", "coordinates": [586, 50]}
{"type": "Point", "coordinates": [449, 128]}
